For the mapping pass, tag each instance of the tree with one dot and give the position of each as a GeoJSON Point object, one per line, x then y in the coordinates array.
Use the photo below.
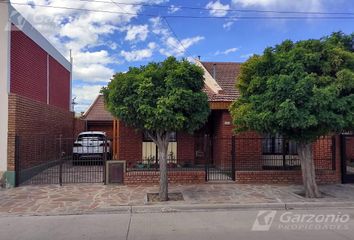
{"type": "Point", "coordinates": [301, 90]}
{"type": "Point", "coordinates": [160, 98]}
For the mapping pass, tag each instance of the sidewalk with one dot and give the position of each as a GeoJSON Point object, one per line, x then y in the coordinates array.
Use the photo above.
{"type": "Point", "coordinates": [96, 198]}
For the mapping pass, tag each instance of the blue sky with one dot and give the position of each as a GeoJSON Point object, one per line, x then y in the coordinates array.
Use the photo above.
{"type": "Point", "coordinates": [104, 43]}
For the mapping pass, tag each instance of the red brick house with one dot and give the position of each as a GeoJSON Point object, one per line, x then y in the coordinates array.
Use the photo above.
{"type": "Point", "coordinates": [35, 89]}
{"type": "Point", "coordinates": [97, 118]}
{"type": "Point", "coordinates": [246, 158]}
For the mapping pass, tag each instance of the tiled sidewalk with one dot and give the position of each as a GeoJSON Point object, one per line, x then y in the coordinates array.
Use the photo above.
{"type": "Point", "coordinates": [89, 198]}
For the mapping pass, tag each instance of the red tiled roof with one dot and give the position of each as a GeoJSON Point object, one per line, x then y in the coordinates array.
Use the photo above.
{"type": "Point", "coordinates": [225, 75]}
{"type": "Point", "coordinates": [97, 111]}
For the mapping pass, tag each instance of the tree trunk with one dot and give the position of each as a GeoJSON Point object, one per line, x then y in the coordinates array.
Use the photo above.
{"type": "Point", "coordinates": [162, 149]}
{"type": "Point", "coordinates": [308, 170]}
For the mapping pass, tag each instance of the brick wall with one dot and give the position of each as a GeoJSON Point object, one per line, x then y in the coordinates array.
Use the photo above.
{"type": "Point", "coordinates": [350, 148]}
{"type": "Point", "coordinates": [153, 177]}
{"type": "Point", "coordinates": [129, 144]}
{"type": "Point", "coordinates": [185, 148]}
{"type": "Point", "coordinates": [221, 141]}
{"type": "Point", "coordinates": [59, 85]}
{"type": "Point", "coordinates": [79, 126]}
{"type": "Point", "coordinates": [28, 67]}
{"type": "Point", "coordinates": [283, 177]}
{"type": "Point", "coordinates": [37, 124]}
{"type": "Point", "coordinates": [29, 73]}
{"type": "Point", "coordinates": [248, 154]}
{"type": "Point", "coordinates": [106, 127]}
{"type": "Point", "coordinates": [323, 176]}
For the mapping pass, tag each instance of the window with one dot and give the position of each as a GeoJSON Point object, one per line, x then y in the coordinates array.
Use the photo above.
{"type": "Point", "coordinates": [150, 151]}
{"type": "Point", "coordinates": [97, 137]}
{"type": "Point", "coordinates": [275, 145]}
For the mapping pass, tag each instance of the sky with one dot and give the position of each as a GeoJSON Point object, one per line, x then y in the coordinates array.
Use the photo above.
{"type": "Point", "coordinates": [118, 34]}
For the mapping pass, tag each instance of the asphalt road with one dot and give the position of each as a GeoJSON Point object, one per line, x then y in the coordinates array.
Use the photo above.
{"type": "Point", "coordinates": [204, 225]}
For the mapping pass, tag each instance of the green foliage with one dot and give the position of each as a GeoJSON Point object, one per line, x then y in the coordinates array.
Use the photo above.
{"type": "Point", "coordinates": [302, 90]}
{"type": "Point", "coordinates": [159, 97]}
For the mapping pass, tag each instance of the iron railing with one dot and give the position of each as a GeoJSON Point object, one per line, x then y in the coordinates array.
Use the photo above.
{"type": "Point", "coordinates": [45, 159]}
{"type": "Point", "coordinates": [41, 159]}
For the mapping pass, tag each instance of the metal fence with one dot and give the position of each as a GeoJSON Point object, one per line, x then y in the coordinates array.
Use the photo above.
{"type": "Point", "coordinates": [274, 153]}
{"type": "Point", "coordinates": [44, 159]}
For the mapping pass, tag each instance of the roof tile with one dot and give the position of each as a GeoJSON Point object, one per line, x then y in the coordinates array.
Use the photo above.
{"type": "Point", "coordinates": [225, 75]}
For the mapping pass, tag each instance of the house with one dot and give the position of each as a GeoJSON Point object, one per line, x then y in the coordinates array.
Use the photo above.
{"type": "Point", "coordinates": [35, 92]}
{"type": "Point", "coordinates": [213, 153]}
{"type": "Point", "coordinates": [97, 118]}
{"type": "Point", "coordinates": [220, 88]}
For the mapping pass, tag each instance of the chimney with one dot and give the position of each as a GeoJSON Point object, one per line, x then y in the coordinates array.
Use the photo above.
{"type": "Point", "coordinates": [214, 71]}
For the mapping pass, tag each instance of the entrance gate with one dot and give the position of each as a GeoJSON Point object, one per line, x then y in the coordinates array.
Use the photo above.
{"type": "Point", "coordinates": [347, 156]}
{"type": "Point", "coordinates": [220, 159]}
{"type": "Point", "coordinates": [56, 160]}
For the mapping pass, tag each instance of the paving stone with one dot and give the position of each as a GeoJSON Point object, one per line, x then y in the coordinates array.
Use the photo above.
{"type": "Point", "coordinates": [53, 199]}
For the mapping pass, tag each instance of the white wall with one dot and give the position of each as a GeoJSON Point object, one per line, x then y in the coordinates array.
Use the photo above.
{"type": "Point", "coordinates": [4, 83]}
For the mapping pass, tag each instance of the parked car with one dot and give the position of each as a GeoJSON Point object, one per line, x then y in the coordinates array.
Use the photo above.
{"type": "Point", "coordinates": [91, 145]}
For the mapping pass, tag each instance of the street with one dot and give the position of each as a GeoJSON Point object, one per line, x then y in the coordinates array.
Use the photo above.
{"type": "Point", "coordinates": [203, 225]}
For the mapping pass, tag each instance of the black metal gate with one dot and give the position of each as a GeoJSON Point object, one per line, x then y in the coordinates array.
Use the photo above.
{"type": "Point", "coordinates": [58, 160]}
{"type": "Point", "coordinates": [347, 156]}
{"type": "Point", "coordinates": [220, 159]}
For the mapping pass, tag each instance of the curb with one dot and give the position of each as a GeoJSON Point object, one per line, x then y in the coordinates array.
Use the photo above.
{"type": "Point", "coordinates": [226, 207]}
{"type": "Point", "coordinates": [204, 207]}
{"type": "Point", "coordinates": [176, 208]}
{"type": "Point", "coordinates": [318, 205]}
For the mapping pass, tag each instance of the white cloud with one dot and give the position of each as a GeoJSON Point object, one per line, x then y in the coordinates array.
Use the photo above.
{"type": "Point", "coordinates": [92, 66]}
{"type": "Point", "coordinates": [308, 5]}
{"type": "Point", "coordinates": [173, 9]}
{"type": "Point", "coordinates": [187, 42]}
{"type": "Point", "coordinates": [93, 73]}
{"type": "Point", "coordinates": [137, 33]}
{"type": "Point", "coordinates": [176, 48]}
{"type": "Point", "coordinates": [138, 55]}
{"type": "Point", "coordinates": [83, 32]}
{"type": "Point", "coordinates": [158, 28]}
{"type": "Point", "coordinates": [84, 58]}
{"type": "Point", "coordinates": [172, 47]}
{"type": "Point", "coordinates": [226, 52]}
{"type": "Point", "coordinates": [217, 9]}
{"type": "Point", "coordinates": [85, 96]}
{"type": "Point", "coordinates": [228, 25]}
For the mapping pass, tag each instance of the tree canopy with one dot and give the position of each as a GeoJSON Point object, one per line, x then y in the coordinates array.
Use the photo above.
{"type": "Point", "coordinates": [159, 97]}
{"type": "Point", "coordinates": [301, 90]}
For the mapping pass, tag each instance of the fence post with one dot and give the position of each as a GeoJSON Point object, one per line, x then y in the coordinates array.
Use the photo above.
{"type": "Point", "coordinates": [284, 153]}
{"type": "Point", "coordinates": [233, 157]}
{"type": "Point", "coordinates": [104, 160]}
{"type": "Point", "coordinates": [334, 147]}
{"type": "Point", "coordinates": [60, 161]}
{"type": "Point", "coordinates": [17, 161]}
{"type": "Point", "coordinates": [206, 156]}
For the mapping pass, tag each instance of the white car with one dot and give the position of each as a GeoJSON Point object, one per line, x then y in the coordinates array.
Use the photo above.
{"type": "Point", "coordinates": [91, 145]}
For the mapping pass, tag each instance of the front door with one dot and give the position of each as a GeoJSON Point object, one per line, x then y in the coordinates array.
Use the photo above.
{"type": "Point", "coordinates": [347, 155]}
{"type": "Point", "coordinates": [202, 154]}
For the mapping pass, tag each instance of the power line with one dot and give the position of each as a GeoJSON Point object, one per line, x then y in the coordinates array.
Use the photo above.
{"type": "Point", "coordinates": [224, 10]}
{"type": "Point", "coordinates": [173, 32]}
{"type": "Point", "coordinates": [190, 16]}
